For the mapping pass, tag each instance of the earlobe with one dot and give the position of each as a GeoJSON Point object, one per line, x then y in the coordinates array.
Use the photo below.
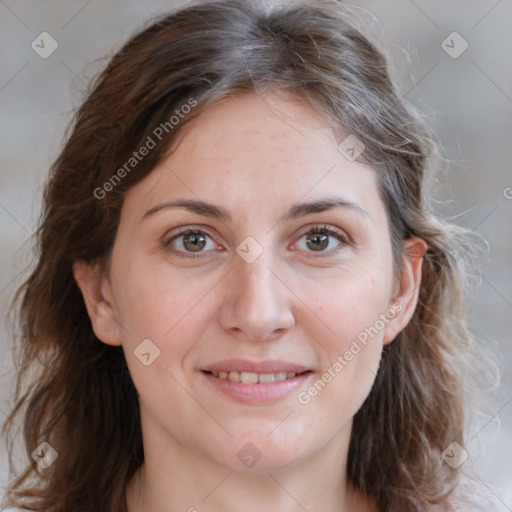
{"type": "Point", "coordinates": [98, 301]}
{"type": "Point", "coordinates": [406, 294]}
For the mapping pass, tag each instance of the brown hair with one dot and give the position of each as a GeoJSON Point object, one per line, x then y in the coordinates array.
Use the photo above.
{"type": "Point", "coordinates": [76, 393]}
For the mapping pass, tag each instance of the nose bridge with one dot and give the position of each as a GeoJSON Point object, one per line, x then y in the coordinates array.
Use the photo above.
{"type": "Point", "coordinates": [257, 305]}
{"type": "Point", "coordinates": [254, 259]}
{"type": "Point", "coordinates": [257, 283]}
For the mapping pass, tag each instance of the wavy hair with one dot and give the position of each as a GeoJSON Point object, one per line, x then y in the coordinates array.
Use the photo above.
{"type": "Point", "coordinates": [76, 393]}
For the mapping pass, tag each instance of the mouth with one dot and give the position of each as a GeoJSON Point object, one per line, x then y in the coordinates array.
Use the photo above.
{"type": "Point", "coordinates": [257, 383]}
{"type": "Point", "coordinates": [254, 378]}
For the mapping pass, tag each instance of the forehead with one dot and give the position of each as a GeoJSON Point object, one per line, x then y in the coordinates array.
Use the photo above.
{"type": "Point", "coordinates": [257, 151]}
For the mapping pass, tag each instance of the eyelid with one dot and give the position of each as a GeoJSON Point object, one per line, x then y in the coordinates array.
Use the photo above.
{"type": "Point", "coordinates": [170, 236]}
{"type": "Point", "coordinates": [343, 238]}
{"type": "Point", "coordinates": [166, 241]}
{"type": "Point", "coordinates": [189, 228]}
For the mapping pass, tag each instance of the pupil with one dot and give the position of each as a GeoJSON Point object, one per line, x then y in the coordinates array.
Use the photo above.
{"type": "Point", "coordinates": [317, 242]}
{"type": "Point", "coordinates": [194, 242]}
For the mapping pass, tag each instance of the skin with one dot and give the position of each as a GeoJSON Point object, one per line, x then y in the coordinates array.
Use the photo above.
{"type": "Point", "coordinates": [255, 158]}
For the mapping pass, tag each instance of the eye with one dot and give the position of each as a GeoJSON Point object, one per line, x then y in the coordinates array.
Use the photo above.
{"type": "Point", "coordinates": [190, 241]}
{"type": "Point", "coordinates": [321, 239]}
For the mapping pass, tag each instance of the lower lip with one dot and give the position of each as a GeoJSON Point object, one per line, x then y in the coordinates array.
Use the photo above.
{"type": "Point", "coordinates": [258, 393]}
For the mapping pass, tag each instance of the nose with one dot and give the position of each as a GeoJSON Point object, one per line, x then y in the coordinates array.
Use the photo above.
{"type": "Point", "coordinates": [257, 305]}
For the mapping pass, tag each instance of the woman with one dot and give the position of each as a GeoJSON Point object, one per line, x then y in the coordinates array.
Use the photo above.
{"type": "Point", "coordinates": [241, 298]}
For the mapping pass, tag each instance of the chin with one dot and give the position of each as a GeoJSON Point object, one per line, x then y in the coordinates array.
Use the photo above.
{"type": "Point", "coordinates": [261, 453]}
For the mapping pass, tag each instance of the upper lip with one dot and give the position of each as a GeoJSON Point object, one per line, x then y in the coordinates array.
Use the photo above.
{"type": "Point", "coordinates": [243, 365]}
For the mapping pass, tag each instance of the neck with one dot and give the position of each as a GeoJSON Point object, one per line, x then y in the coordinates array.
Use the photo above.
{"type": "Point", "coordinates": [180, 480]}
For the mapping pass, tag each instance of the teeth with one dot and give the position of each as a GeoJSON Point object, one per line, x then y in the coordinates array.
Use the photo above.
{"type": "Point", "coordinates": [234, 376]}
{"type": "Point", "coordinates": [249, 378]}
{"type": "Point", "coordinates": [254, 378]}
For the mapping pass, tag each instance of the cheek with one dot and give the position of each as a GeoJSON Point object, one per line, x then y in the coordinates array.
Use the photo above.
{"type": "Point", "coordinates": [164, 306]}
{"type": "Point", "coordinates": [172, 311]}
{"type": "Point", "coordinates": [347, 304]}
{"type": "Point", "coordinates": [352, 307]}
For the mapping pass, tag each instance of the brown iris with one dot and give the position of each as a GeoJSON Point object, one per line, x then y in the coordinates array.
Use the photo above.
{"type": "Point", "coordinates": [317, 241]}
{"type": "Point", "coordinates": [194, 242]}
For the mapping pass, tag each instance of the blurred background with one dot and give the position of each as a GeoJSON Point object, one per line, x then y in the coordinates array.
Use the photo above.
{"type": "Point", "coordinates": [452, 59]}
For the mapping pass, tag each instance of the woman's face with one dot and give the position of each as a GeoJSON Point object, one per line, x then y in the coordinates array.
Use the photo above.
{"type": "Point", "coordinates": [256, 252]}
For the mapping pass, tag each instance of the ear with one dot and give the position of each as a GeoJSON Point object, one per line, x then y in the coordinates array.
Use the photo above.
{"type": "Point", "coordinates": [97, 294]}
{"type": "Point", "coordinates": [407, 288]}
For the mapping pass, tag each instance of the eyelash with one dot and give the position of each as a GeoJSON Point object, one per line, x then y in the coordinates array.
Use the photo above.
{"type": "Point", "coordinates": [341, 237]}
{"type": "Point", "coordinates": [167, 244]}
{"type": "Point", "coordinates": [322, 229]}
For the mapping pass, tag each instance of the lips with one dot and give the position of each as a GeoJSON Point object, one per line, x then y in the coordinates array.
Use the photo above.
{"type": "Point", "coordinates": [259, 367]}
{"type": "Point", "coordinates": [254, 378]}
{"type": "Point", "coordinates": [256, 382]}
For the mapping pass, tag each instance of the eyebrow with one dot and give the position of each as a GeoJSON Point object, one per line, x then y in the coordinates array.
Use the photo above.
{"type": "Point", "coordinates": [297, 210]}
{"type": "Point", "coordinates": [322, 205]}
{"type": "Point", "coordinates": [192, 205]}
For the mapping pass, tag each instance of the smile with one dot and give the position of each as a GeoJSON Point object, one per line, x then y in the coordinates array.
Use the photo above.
{"type": "Point", "coordinates": [256, 382]}
{"type": "Point", "coordinates": [254, 378]}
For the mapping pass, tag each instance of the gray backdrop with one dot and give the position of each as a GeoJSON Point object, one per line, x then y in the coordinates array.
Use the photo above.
{"type": "Point", "coordinates": [466, 92]}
